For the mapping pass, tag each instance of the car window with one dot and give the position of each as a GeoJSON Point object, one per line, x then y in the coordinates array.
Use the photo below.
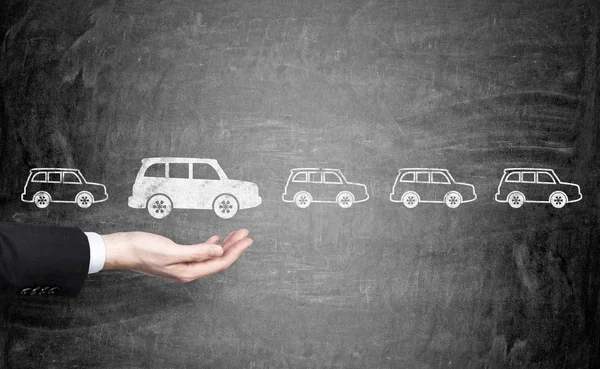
{"type": "Point", "coordinates": [299, 177]}
{"type": "Point", "coordinates": [408, 177]}
{"type": "Point", "coordinates": [439, 177]}
{"type": "Point", "coordinates": [39, 177]}
{"type": "Point", "coordinates": [331, 177]}
{"type": "Point", "coordinates": [422, 177]}
{"type": "Point", "coordinates": [204, 171]}
{"type": "Point", "coordinates": [156, 170]}
{"type": "Point", "coordinates": [513, 177]}
{"type": "Point", "coordinates": [70, 177]}
{"type": "Point", "coordinates": [528, 177]}
{"type": "Point", "coordinates": [54, 177]}
{"type": "Point", "coordinates": [179, 170]}
{"type": "Point", "coordinates": [544, 177]}
{"type": "Point", "coordinates": [315, 177]}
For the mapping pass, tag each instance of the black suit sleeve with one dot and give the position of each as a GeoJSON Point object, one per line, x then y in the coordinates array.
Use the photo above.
{"type": "Point", "coordinates": [42, 260]}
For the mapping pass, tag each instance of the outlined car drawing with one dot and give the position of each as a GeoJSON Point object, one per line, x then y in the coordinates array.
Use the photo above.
{"type": "Point", "coordinates": [166, 183]}
{"type": "Point", "coordinates": [61, 185]}
{"type": "Point", "coordinates": [430, 185]}
{"type": "Point", "coordinates": [307, 185]}
{"type": "Point", "coordinates": [535, 185]}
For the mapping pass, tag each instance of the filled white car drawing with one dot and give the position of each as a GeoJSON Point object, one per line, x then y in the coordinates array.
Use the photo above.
{"type": "Point", "coordinates": [164, 183]}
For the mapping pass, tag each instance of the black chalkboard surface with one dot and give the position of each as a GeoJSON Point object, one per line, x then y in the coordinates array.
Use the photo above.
{"type": "Point", "coordinates": [418, 247]}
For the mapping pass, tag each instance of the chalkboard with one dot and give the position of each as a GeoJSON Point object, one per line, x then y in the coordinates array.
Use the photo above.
{"type": "Point", "coordinates": [460, 93]}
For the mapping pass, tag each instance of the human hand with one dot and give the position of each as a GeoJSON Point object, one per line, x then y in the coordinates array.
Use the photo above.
{"type": "Point", "coordinates": [160, 257]}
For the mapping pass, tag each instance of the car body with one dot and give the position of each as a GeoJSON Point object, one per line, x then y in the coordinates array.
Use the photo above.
{"type": "Point", "coordinates": [166, 183]}
{"type": "Point", "coordinates": [307, 185]}
{"type": "Point", "coordinates": [535, 185]}
{"type": "Point", "coordinates": [61, 185]}
{"type": "Point", "coordinates": [430, 185]}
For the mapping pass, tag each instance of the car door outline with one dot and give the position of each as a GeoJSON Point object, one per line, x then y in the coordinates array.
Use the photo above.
{"type": "Point", "coordinates": [439, 189]}
{"type": "Point", "coordinates": [70, 189]}
{"type": "Point", "coordinates": [404, 184]}
{"type": "Point", "coordinates": [422, 188]}
{"type": "Point", "coordinates": [178, 188]}
{"type": "Point", "coordinates": [512, 184]}
{"type": "Point", "coordinates": [159, 181]}
{"type": "Point", "coordinates": [530, 187]}
{"type": "Point", "coordinates": [315, 187]}
{"type": "Point", "coordinates": [36, 184]}
{"type": "Point", "coordinates": [330, 190]}
{"type": "Point", "coordinates": [54, 187]}
{"type": "Point", "coordinates": [549, 187]}
{"type": "Point", "coordinates": [206, 190]}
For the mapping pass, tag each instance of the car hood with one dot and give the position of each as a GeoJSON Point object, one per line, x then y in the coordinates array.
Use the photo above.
{"type": "Point", "coordinates": [569, 184]}
{"type": "Point", "coordinates": [236, 184]}
{"type": "Point", "coordinates": [468, 185]}
{"type": "Point", "coordinates": [96, 184]}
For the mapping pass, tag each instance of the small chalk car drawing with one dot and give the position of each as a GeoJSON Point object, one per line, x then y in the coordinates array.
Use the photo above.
{"type": "Point", "coordinates": [429, 185]}
{"type": "Point", "coordinates": [61, 185]}
{"type": "Point", "coordinates": [535, 185]}
{"type": "Point", "coordinates": [163, 184]}
{"type": "Point", "coordinates": [307, 185]}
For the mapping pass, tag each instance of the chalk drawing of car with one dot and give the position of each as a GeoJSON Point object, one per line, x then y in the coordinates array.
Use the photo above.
{"type": "Point", "coordinates": [61, 185]}
{"type": "Point", "coordinates": [415, 185]}
{"type": "Point", "coordinates": [307, 185]}
{"type": "Point", "coordinates": [166, 183]}
{"type": "Point", "coordinates": [535, 185]}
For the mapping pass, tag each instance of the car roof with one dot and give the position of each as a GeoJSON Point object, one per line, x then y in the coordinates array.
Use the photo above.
{"type": "Point", "coordinates": [177, 160]}
{"type": "Point", "coordinates": [428, 169]}
{"type": "Point", "coordinates": [319, 169]}
{"type": "Point", "coordinates": [54, 169]}
{"type": "Point", "coordinates": [528, 169]}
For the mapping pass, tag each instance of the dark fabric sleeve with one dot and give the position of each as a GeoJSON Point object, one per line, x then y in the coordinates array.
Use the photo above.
{"type": "Point", "coordinates": [42, 260]}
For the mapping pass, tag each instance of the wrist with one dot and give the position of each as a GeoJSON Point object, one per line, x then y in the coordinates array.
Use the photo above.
{"type": "Point", "coordinates": [117, 249]}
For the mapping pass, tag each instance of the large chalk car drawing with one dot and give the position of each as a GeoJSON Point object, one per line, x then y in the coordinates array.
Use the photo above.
{"type": "Point", "coordinates": [536, 185]}
{"type": "Point", "coordinates": [415, 185]}
{"type": "Point", "coordinates": [307, 185]}
{"type": "Point", "coordinates": [163, 184]}
{"type": "Point", "coordinates": [61, 185]}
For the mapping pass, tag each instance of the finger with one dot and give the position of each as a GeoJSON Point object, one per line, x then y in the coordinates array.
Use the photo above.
{"type": "Point", "coordinates": [212, 240]}
{"type": "Point", "coordinates": [227, 238]}
{"type": "Point", "coordinates": [197, 270]}
{"type": "Point", "coordinates": [193, 253]}
{"type": "Point", "coordinates": [238, 235]}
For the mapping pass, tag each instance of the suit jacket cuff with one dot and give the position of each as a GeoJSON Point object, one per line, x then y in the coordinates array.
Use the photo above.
{"type": "Point", "coordinates": [38, 259]}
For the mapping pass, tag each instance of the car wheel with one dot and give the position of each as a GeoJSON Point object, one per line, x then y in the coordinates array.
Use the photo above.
{"type": "Point", "coordinates": [302, 199]}
{"type": "Point", "coordinates": [42, 199]}
{"type": "Point", "coordinates": [159, 206]}
{"type": "Point", "coordinates": [515, 199]}
{"type": "Point", "coordinates": [558, 199]}
{"type": "Point", "coordinates": [84, 199]}
{"type": "Point", "coordinates": [410, 199]}
{"type": "Point", "coordinates": [453, 199]}
{"type": "Point", "coordinates": [225, 206]}
{"type": "Point", "coordinates": [345, 199]}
